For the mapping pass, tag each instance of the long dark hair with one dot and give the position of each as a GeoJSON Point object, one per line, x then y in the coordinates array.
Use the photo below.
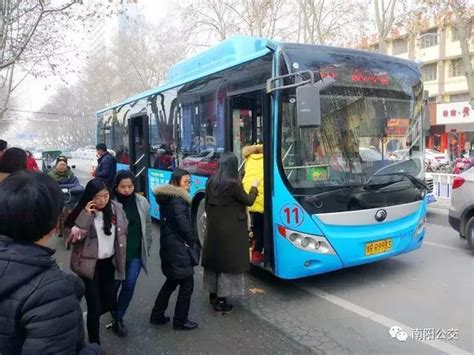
{"type": "Point", "coordinates": [13, 159]}
{"type": "Point", "coordinates": [226, 178]}
{"type": "Point", "coordinates": [92, 188]}
{"type": "Point", "coordinates": [177, 175]}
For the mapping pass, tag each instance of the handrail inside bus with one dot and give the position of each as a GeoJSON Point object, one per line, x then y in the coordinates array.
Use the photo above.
{"type": "Point", "coordinates": [140, 172]}
{"type": "Point", "coordinates": [139, 160]}
{"type": "Point", "coordinates": [288, 152]}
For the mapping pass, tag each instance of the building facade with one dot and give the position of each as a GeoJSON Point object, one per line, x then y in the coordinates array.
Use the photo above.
{"type": "Point", "coordinates": [437, 49]}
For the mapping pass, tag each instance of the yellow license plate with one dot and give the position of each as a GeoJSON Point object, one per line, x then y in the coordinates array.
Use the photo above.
{"type": "Point", "coordinates": [380, 246]}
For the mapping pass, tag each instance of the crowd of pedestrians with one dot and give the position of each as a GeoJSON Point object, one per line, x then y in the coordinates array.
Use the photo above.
{"type": "Point", "coordinates": [110, 231]}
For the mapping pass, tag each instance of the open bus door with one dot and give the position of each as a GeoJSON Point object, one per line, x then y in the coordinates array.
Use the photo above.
{"type": "Point", "coordinates": [251, 124]}
{"type": "Point", "coordinates": [139, 150]}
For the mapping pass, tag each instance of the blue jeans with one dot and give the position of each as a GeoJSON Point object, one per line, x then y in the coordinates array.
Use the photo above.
{"type": "Point", "coordinates": [127, 287]}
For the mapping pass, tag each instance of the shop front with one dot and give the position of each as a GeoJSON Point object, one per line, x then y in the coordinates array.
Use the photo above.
{"type": "Point", "coordinates": [453, 133]}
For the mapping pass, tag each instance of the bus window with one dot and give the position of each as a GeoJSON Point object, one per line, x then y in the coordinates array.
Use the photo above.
{"type": "Point", "coordinates": [162, 130]}
{"type": "Point", "coordinates": [247, 120]}
{"type": "Point", "coordinates": [201, 126]}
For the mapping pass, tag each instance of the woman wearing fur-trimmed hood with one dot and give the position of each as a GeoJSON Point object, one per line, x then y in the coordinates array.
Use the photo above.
{"type": "Point", "coordinates": [176, 230]}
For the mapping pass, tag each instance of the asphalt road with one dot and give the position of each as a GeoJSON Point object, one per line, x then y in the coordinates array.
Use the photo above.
{"type": "Point", "coordinates": [427, 293]}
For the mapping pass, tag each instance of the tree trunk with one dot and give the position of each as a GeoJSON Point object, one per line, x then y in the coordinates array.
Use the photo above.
{"type": "Point", "coordinates": [7, 90]}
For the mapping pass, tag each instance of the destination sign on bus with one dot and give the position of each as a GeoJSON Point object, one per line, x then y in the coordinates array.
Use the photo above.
{"type": "Point", "coordinates": [357, 75]}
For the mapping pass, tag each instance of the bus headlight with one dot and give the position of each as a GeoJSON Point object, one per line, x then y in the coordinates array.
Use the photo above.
{"type": "Point", "coordinates": [294, 236]}
{"type": "Point", "coordinates": [307, 242]}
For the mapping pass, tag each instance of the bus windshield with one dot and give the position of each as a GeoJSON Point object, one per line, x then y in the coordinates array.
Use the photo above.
{"type": "Point", "coordinates": [369, 139]}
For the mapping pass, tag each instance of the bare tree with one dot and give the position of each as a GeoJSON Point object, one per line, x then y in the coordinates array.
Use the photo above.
{"type": "Point", "coordinates": [137, 61]}
{"type": "Point", "coordinates": [261, 18]}
{"type": "Point", "coordinates": [28, 36]}
{"type": "Point", "coordinates": [463, 17]}
{"type": "Point", "coordinates": [327, 22]}
{"type": "Point", "coordinates": [19, 21]}
{"type": "Point", "coordinates": [384, 19]}
{"type": "Point", "coordinates": [212, 17]}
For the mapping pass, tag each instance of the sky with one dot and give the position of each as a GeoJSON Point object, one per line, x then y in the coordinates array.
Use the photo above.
{"type": "Point", "coordinates": [34, 92]}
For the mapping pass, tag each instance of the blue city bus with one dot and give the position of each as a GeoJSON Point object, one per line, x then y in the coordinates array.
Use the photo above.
{"type": "Point", "coordinates": [342, 131]}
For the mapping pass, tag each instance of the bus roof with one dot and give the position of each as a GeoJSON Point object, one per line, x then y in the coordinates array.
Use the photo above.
{"type": "Point", "coordinates": [232, 52]}
{"type": "Point", "coordinates": [229, 53]}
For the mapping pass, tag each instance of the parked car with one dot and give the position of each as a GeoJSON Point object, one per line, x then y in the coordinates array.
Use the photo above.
{"type": "Point", "coordinates": [204, 163]}
{"type": "Point", "coordinates": [436, 157]}
{"type": "Point", "coordinates": [461, 210]}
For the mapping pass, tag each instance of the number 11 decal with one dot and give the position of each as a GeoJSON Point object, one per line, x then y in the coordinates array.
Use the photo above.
{"type": "Point", "coordinates": [291, 215]}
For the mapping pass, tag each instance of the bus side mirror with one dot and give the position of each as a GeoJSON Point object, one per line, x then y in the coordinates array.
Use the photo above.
{"type": "Point", "coordinates": [308, 103]}
{"type": "Point", "coordinates": [308, 106]}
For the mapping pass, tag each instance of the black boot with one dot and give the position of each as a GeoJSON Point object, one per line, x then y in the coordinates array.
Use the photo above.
{"type": "Point", "coordinates": [222, 305]}
{"type": "Point", "coordinates": [159, 320]}
{"type": "Point", "coordinates": [187, 325]}
{"type": "Point", "coordinates": [119, 328]}
{"type": "Point", "coordinates": [212, 298]}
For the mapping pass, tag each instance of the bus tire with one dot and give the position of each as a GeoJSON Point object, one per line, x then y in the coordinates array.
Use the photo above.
{"type": "Point", "coordinates": [201, 220]}
{"type": "Point", "coordinates": [470, 234]}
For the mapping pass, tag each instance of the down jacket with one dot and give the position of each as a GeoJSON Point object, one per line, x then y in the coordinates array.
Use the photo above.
{"type": "Point", "coordinates": [39, 304]}
{"type": "Point", "coordinates": [106, 169]}
{"type": "Point", "coordinates": [253, 170]}
{"type": "Point", "coordinates": [176, 227]}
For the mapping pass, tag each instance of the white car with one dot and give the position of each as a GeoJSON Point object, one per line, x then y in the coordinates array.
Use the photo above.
{"type": "Point", "coordinates": [368, 154]}
{"type": "Point", "coordinates": [461, 210]}
{"type": "Point", "coordinates": [435, 157]}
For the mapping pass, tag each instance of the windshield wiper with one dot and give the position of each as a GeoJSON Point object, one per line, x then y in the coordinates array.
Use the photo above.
{"type": "Point", "coordinates": [337, 188]}
{"type": "Point", "coordinates": [416, 182]}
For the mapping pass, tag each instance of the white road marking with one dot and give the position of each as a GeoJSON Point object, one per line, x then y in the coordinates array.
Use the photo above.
{"type": "Point", "coordinates": [383, 320]}
{"type": "Point", "coordinates": [441, 246]}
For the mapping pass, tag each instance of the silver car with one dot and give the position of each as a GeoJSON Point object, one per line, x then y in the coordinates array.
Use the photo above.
{"type": "Point", "coordinates": [461, 210]}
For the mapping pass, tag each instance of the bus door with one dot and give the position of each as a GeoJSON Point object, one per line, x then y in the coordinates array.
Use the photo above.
{"type": "Point", "coordinates": [250, 112]}
{"type": "Point", "coordinates": [139, 149]}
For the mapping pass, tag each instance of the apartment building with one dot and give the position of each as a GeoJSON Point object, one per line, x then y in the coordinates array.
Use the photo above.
{"type": "Point", "coordinates": [109, 28]}
{"type": "Point", "coordinates": [437, 49]}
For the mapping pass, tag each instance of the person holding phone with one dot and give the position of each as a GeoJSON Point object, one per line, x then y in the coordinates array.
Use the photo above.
{"type": "Point", "coordinates": [99, 236]}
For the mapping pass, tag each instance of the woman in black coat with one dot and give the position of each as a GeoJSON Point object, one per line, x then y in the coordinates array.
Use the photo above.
{"type": "Point", "coordinates": [176, 230]}
{"type": "Point", "coordinates": [226, 249]}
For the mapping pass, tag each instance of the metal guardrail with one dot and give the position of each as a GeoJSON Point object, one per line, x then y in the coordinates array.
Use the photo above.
{"type": "Point", "coordinates": [442, 185]}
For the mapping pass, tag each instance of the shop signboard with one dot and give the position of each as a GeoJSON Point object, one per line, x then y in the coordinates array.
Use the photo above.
{"type": "Point", "coordinates": [454, 112]}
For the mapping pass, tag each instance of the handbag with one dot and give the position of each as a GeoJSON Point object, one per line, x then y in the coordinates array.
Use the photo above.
{"type": "Point", "coordinates": [194, 250]}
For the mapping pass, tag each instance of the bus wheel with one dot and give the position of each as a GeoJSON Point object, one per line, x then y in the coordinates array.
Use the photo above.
{"type": "Point", "coordinates": [201, 219]}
